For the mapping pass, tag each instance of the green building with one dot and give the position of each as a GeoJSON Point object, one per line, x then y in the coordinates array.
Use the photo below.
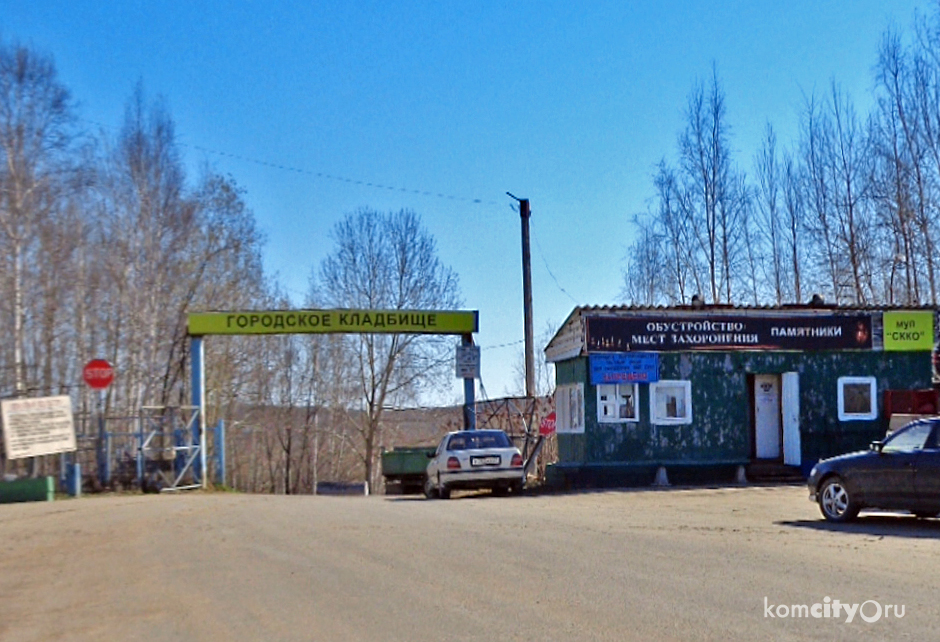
{"type": "Point", "coordinates": [702, 391]}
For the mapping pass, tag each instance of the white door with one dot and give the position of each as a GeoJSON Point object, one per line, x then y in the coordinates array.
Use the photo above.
{"type": "Point", "coordinates": [767, 416]}
{"type": "Point", "coordinates": [791, 419]}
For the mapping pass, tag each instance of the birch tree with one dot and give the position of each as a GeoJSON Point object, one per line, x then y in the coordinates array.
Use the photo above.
{"type": "Point", "coordinates": [771, 213]}
{"type": "Point", "coordinates": [713, 189]}
{"type": "Point", "coordinates": [36, 120]}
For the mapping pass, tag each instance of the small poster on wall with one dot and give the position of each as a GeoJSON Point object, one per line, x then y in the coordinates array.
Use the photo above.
{"type": "Point", "coordinates": [624, 367]}
{"type": "Point", "coordinates": [908, 331]}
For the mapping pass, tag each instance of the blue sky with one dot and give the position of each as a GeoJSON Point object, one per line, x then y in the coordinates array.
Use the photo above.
{"type": "Point", "coordinates": [445, 106]}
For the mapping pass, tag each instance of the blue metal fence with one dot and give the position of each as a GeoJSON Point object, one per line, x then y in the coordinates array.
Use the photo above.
{"type": "Point", "coordinates": [159, 450]}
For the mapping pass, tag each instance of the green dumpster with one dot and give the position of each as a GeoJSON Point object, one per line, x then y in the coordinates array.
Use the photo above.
{"type": "Point", "coordinates": [403, 469]}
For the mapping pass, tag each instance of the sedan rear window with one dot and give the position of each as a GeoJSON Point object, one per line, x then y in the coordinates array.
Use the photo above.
{"type": "Point", "coordinates": [473, 440]}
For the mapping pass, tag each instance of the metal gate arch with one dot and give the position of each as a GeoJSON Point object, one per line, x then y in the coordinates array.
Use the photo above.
{"type": "Point", "coordinates": [333, 321]}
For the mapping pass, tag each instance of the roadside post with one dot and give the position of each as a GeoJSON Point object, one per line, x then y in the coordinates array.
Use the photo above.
{"type": "Point", "coordinates": [99, 374]}
{"type": "Point", "coordinates": [468, 369]}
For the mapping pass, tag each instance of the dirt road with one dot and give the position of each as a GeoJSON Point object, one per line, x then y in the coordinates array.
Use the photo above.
{"type": "Point", "coordinates": [693, 564]}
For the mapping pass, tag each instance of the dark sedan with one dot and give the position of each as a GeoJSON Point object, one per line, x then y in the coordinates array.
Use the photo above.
{"type": "Point", "coordinates": [901, 472]}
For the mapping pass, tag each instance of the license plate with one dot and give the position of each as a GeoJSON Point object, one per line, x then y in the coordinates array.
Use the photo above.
{"type": "Point", "coordinates": [489, 460]}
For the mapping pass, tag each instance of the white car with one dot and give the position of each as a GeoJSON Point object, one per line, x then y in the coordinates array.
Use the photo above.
{"type": "Point", "coordinates": [474, 459]}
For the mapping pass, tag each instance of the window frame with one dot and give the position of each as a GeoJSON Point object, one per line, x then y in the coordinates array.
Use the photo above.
{"type": "Point", "coordinates": [872, 414]}
{"type": "Point", "coordinates": [614, 390]}
{"type": "Point", "coordinates": [686, 387]}
{"type": "Point", "coordinates": [565, 394]}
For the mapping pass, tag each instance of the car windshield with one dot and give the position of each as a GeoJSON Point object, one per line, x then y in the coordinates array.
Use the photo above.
{"type": "Point", "coordinates": [473, 440]}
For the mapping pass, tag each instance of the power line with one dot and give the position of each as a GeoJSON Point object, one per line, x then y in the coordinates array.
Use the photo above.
{"type": "Point", "coordinates": [550, 273]}
{"type": "Point", "coordinates": [326, 175]}
{"type": "Point", "coordinates": [343, 179]}
{"type": "Point", "coordinates": [502, 345]}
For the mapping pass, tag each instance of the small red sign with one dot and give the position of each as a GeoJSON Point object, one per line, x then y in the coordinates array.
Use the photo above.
{"type": "Point", "coordinates": [547, 427]}
{"type": "Point", "coordinates": [98, 374]}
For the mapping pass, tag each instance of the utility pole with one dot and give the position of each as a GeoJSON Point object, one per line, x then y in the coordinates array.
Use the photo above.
{"type": "Point", "coordinates": [527, 298]}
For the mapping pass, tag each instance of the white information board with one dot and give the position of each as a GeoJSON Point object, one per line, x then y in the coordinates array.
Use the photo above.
{"type": "Point", "coordinates": [468, 362]}
{"type": "Point", "coordinates": [38, 426]}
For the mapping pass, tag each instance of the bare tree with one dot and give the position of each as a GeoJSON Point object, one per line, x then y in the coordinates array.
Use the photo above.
{"type": "Point", "coordinates": [544, 370]}
{"type": "Point", "coordinates": [795, 224]}
{"type": "Point", "coordinates": [643, 274]}
{"type": "Point", "coordinates": [35, 136]}
{"type": "Point", "coordinates": [836, 153]}
{"type": "Point", "coordinates": [663, 264]}
{"type": "Point", "coordinates": [699, 235]}
{"type": "Point", "coordinates": [851, 170]}
{"type": "Point", "coordinates": [36, 140]}
{"type": "Point", "coordinates": [148, 219]}
{"type": "Point", "coordinates": [924, 96]}
{"type": "Point", "coordinates": [750, 283]}
{"type": "Point", "coordinates": [818, 198]}
{"type": "Point", "coordinates": [898, 186]}
{"type": "Point", "coordinates": [388, 261]}
{"type": "Point", "coordinates": [713, 191]}
{"type": "Point", "coordinates": [171, 250]}
{"type": "Point", "coordinates": [770, 212]}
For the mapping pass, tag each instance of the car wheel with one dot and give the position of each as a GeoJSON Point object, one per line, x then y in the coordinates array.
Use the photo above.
{"type": "Point", "coordinates": [517, 488]}
{"type": "Point", "coordinates": [835, 501]}
{"type": "Point", "coordinates": [443, 492]}
{"type": "Point", "coordinates": [429, 490]}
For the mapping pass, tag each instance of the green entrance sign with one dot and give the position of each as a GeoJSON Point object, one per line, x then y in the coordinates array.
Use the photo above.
{"type": "Point", "coordinates": [908, 331]}
{"type": "Point", "coordinates": [459, 322]}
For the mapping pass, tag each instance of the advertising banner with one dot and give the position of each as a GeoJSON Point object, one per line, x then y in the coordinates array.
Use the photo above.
{"type": "Point", "coordinates": [717, 332]}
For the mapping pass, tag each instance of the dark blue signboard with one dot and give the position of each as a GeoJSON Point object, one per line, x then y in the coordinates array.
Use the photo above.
{"type": "Point", "coordinates": [624, 367]}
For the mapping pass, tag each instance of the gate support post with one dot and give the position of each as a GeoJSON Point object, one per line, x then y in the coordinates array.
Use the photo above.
{"type": "Point", "coordinates": [469, 393]}
{"type": "Point", "coordinates": [220, 453]}
{"type": "Point", "coordinates": [198, 386]}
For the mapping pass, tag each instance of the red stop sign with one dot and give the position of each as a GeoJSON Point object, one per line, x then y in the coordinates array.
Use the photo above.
{"type": "Point", "coordinates": [98, 374]}
{"type": "Point", "coordinates": [547, 427]}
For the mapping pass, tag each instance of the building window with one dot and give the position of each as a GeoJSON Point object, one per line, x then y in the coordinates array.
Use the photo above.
{"type": "Point", "coordinates": [569, 408]}
{"type": "Point", "coordinates": [617, 403]}
{"type": "Point", "coordinates": [671, 402]}
{"type": "Point", "coordinates": [858, 399]}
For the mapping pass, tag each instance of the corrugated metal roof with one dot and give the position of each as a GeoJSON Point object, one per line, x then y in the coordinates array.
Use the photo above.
{"type": "Point", "coordinates": [724, 307]}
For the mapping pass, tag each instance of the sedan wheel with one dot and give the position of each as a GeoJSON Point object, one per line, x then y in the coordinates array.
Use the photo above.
{"type": "Point", "coordinates": [835, 502]}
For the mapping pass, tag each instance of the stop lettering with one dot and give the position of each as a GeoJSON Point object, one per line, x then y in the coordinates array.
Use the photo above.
{"type": "Point", "coordinates": [98, 374]}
